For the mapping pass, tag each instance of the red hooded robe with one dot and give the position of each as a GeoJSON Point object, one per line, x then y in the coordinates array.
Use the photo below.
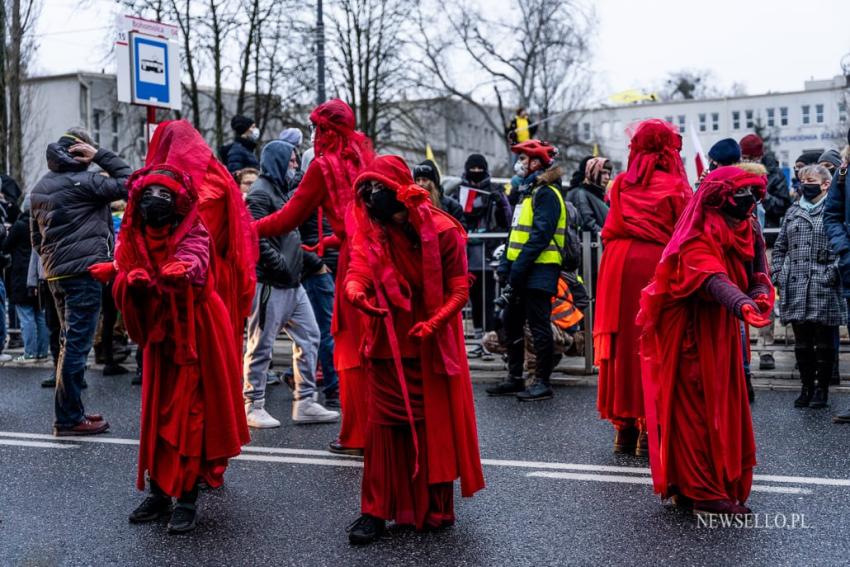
{"type": "Point", "coordinates": [192, 418]}
{"type": "Point", "coordinates": [698, 416]}
{"type": "Point", "coordinates": [421, 434]}
{"type": "Point", "coordinates": [646, 202]}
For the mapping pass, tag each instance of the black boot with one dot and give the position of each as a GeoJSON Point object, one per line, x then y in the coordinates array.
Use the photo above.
{"type": "Point", "coordinates": [511, 386]}
{"type": "Point", "coordinates": [808, 370]}
{"type": "Point", "coordinates": [805, 397]}
{"type": "Point", "coordinates": [843, 417]}
{"type": "Point", "coordinates": [153, 507]}
{"type": "Point", "coordinates": [185, 515]}
{"type": "Point", "coordinates": [825, 360]}
{"type": "Point", "coordinates": [625, 440]}
{"type": "Point", "coordinates": [751, 393]}
{"type": "Point", "coordinates": [537, 391]}
{"type": "Point", "coordinates": [365, 529]}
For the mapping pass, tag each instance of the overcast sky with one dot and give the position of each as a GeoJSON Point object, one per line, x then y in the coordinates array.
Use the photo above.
{"type": "Point", "coordinates": [768, 45]}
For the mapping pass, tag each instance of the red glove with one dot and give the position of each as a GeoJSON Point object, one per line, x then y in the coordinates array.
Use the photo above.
{"type": "Point", "coordinates": [103, 272]}
{"type": "Point", "coordinates": [753, 317]}
{"type": "Point", "coordinates": [360, 301]}
{"type": "Point", "coordinates": [763, 303]}
{"type": "Point", "coordinates": [331, 241]}
{"type": "Point", "coordinates": [458, 296]}
{"type": "Point", "coordinates": [139, 278]}
{"type": "Point", "coordinates": [175, 272]}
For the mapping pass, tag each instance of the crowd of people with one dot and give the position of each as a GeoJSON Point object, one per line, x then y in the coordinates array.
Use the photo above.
{"type": "Point", "coordinates": [366, 263]}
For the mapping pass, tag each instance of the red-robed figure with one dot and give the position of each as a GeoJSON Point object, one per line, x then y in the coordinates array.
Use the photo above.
{"type": "Point", "coordinates": [712, 275]}
{"type": "Point", "coordinates": [408, 273]}
{"type": "Point", "coordinates": [192, 418]}
{"type": "Point", "coordinates": [220, 205]}
{"type": "Point", "coordinates": [646, 202]}
{"type": "Point", "coordinates": [341, 154]}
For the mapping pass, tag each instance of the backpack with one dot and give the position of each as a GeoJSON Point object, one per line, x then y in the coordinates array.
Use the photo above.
{"type": "Point", "coordinates": [571, 254]}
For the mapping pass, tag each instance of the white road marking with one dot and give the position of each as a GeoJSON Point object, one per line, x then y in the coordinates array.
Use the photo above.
{"type": "Point", "coordinates": [646, 480]}
{"type": "Point", "coordinates": [324, 458]}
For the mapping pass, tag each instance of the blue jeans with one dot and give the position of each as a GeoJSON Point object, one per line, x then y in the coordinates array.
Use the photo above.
{"type": "Point", "coordinates": [320, 290]}
{"type": "Point", "coordinates": [78, 307]}
{"type": "Point", "coordinates": [34, 331]}
{"type": "Point", "coordinates": [2, 314]}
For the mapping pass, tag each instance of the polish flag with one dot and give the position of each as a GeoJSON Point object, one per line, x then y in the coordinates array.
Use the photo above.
{"type": "Point", "coordinates": [467, 197]}
{"type": "Point", "coordinates": [699, 157]}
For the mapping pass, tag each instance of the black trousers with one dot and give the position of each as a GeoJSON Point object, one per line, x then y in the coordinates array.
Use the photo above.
{"type": "Point", "coordinates": [535, 308]}
{"type": "Point", "coordinates": [814, 347]}
{"type": "Point", "coordinates": [483, 288]}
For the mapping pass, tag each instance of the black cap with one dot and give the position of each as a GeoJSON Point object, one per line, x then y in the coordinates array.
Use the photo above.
{"type": "Point", "coordinates": [240, 124]}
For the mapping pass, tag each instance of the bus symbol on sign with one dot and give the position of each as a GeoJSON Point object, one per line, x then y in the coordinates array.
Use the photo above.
{"type": "Point", "coordinates": [152, 66]}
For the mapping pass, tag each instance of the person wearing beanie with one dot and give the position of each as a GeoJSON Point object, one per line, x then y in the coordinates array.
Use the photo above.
{"type": "Point", "coordinates": [292, 136]}
{"type": "Point", "coordinates": [241, 152]}
{"type": "Point", "coordinates": [427, 176]}
{"type": "Point", "coordinates": [588, 197]}
{"type": "Point", "coordinates": [830, 159]}
{"type": "Point", "coordinates": [752, 148]}
{"type": "Point", "coordinates": [725, 152]}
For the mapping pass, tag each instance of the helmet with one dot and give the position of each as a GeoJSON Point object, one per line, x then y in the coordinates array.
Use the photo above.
{"type": "Point", "coordinates": [537, 149]}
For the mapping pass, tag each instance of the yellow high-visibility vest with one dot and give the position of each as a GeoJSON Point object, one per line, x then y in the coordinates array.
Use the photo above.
{"type": "Point", "coordinates": [521, 230]}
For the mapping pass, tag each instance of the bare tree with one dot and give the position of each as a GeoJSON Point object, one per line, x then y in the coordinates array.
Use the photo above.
{"type": "Point", "coordinates": [219, 21]}
{"type": "Point", "coordinates": [20, 50]}
{"type": "Point", "coordinates": [4, 116]}
{"type": "Point", "coordinates": [690, 84]}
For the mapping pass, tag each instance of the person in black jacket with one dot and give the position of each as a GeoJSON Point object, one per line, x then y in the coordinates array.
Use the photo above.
{"type": "Point", "coordinates": [280, 303]}
{"type": "Point", "coordinates": [71, 229]}
{"type": "Point", "coordinates": [427, 176]}
{"type": "Point", "coordinates": [17, 244]}
{"type": "Point", "coordinates": [240, 153]}
{"type": "Point", "coordinates": [778, 198]}
{"type": "Point", "coordinates": [588, 196]}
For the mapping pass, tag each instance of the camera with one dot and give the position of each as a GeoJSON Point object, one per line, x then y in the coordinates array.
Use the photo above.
{"type": "Point", "coordinates": [506, 298]}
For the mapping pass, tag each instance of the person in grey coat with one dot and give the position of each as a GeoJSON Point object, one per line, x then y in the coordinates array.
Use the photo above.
{"type": "Point", "coordinates": [805, 270]}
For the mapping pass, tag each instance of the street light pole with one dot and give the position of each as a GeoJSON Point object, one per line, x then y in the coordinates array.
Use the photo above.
{"type": "Point", "coordinates": [320, 51]}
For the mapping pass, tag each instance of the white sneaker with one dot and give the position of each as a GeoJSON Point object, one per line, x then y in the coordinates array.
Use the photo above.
{"type": "Point", "coordinates": [5, 358]}
{"type": "Point", "coordinates": [258, 417]}
{"type": "Point", "coordinates": [309, 410]}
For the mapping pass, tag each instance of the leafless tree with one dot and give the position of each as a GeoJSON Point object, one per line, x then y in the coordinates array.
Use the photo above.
{"type": "Point", "coordinates": [19, 52]}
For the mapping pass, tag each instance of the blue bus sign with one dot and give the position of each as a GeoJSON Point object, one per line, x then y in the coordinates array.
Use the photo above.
{"type": "Point", "coordinates": [150, 70]}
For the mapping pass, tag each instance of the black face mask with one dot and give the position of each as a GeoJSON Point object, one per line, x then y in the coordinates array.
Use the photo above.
{"type": "Point", "coordinates": [742, 208]}
{"type": "Point", "coordinates": [156, 211]}
{"type": "Point", "coordinates": [810, 190]}
{"type": "Point", "coordinates": [382, 205]}
{"type": "Point", "coordinates": [476, 176]}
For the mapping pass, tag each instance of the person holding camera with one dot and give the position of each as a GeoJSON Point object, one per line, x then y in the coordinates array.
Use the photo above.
{"type": "Point", "coordinates": [530, 268]}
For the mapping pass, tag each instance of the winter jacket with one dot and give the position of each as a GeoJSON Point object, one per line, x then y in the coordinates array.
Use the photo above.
{"type": "Point", "coordinates": [452, 207]}
{"type": "Point", "coordinates": [240, 154]}
{"type": "Point", "coordinates": [17, 245]}
{"type": "Point", "coordinates": [71, 224]}
{"type": "Point", "coordinates": [524, 273]}
{"type": "Point", "coordinates": [491, 212]}
{"type": "Point", "coordinates": [512, 134]}
{"type": "Point", "coordinates": [10, 196]}
{"type": "Point", "coordinates": [778, 199]}
{"type": "Point", "coordinates": [592, 210]}
{"type": "Point", "coordinates": [806, 270]}
{"type": "Point", "coordinates": [836, 221]}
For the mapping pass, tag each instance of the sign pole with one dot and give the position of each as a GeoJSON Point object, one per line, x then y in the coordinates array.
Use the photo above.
{"type": "Point", "coordinates": [151, 121]}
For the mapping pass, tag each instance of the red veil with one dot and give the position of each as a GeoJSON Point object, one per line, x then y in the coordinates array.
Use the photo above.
{"type": "Point", "coordinates": [673, 307]}
{"type": "Point", "coordinates": [451, 431]}
{"type": "Point", "coordinates": [220, 204]}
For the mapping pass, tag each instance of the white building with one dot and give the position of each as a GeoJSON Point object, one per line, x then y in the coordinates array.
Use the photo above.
{"type": "Point", "coordinates": [815, 118]}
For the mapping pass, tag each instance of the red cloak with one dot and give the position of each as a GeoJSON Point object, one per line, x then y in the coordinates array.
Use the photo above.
{"type": "Point", "coordinates": [698, 417]}
{"type": "Point", "coordinates": [425, 384]}
{"type": "Point", "coordinates": [222, 208]}
{"type": "Point", "coordinates": [646, 202]}
{"type": "Point", "coordinates": [192, 418]}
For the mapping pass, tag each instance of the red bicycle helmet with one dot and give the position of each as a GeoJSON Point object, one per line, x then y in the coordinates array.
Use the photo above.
{"type": "Point", "coordinates": [537, 149]}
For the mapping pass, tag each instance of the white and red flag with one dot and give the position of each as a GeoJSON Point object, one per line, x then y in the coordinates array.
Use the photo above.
{"type": "Point", "coordinates": [699, 158]}
{"type": "Point", "coordinates": [467, 197]}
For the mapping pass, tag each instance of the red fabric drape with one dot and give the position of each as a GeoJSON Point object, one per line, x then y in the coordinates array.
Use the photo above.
{"type": "Point", "coordinates": [701, 438]}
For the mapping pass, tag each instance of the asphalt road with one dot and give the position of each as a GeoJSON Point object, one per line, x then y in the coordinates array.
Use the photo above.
{"type": "Point", "coordinates": [552, 496]}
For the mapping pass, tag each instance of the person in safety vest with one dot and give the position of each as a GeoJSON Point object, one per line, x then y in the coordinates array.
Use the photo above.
{"type": "Point", "coordinates": [530, 268]}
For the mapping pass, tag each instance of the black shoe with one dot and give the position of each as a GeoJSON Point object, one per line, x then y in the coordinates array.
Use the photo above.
{"type": "Point", "coordinates": [509, 387]}
{"type": "Point", "coordinates": [365, 529]}
{"type": "Point", "coordinates": [751, 393]}
{"type": "Point", "coordinates": [842, 417]}
{"type": "Point", "coordinates": [137, 379]}
{"type": "Point", "coordinates": [338, 448]}
{"type": "Point", "coordinates": [536, 392]}
{"type": "Point", "coordinates": [114, 370]}
{"type": "Point", "coordinates": [820, 399]}
{"type": "Point", "coordinates": [766, 361]}
{"type": "Point", "coordinates": [48, 383]}
{"type": "Point", "coordinates": [804, 398]}
{"type": "Point", "coordinates": [626, 440]}
{"type": "Point", "coordinates": [183, 519]}
{"type": "Point", "coordinates": [332, 403]}
{"type": "Point", "coordinates": [152, 508]}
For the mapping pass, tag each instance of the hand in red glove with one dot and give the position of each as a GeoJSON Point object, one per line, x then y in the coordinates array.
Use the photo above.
{"type": "Point", "coordinates": [360, 301]}
{"type": "Point", "coordinates": [175, 272]}
{"type": "Point", "coordinates": [103, 272]}
{"type": "Point", "coordinates": [753, 317]}
{"type": "Point", "coordinates": [310, 248]}
{"type": "Point", "coordinates": [139, 278]}
{"type": "Point", "coordinates": [422, 329]}
{"type": "Point", "coordinates": [763, 303]}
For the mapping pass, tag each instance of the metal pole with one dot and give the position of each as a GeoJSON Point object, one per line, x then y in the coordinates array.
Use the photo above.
{"type": "Point", "coordinates": [151, 121]}
{"type": "Point", "coordinates": [587, 275]}
{"type": "Point", "coordinates": [320, 51]}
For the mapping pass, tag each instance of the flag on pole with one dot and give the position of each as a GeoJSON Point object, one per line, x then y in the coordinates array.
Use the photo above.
{"type": "Point", "coordinates": [429, 153]}
{"type": "Point", "coordinates": [699, 157]}
{"type": "Point", "coordinates": [595, 150]}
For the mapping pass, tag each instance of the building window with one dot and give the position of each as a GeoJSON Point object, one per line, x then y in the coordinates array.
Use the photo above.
{"type": "Point", "coordinates": [715, 121]}
{"type": "Point", "coordinates": [736, 120]}
{"type": "Point", "coordinates": [116, 124]}
{"type": "Point", "coordinates": [771, 117]}
{"type": "Point", "coordinates": [668, 119]}
{"type": "Point", "coordinates": [702, 123]}
{"type": "Point", "coordinates": [750, 121]}
{"type": "Point", "coordinates": [842, 112]}
{"type": "Point", "coordinates": [819, 113]}
{"type": "Point", "coordinates": [681, 123]}
{"type": "Point", "coordinates": [97, 118]}
{"type": "Point", "coordinates": [807, 118]}
{"type": "Point", "coordinates": [783, 116]}
{"type": "Point", "coordinates": [84, 106]}
{"type": "Point", "coordinates": [585, 131]}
